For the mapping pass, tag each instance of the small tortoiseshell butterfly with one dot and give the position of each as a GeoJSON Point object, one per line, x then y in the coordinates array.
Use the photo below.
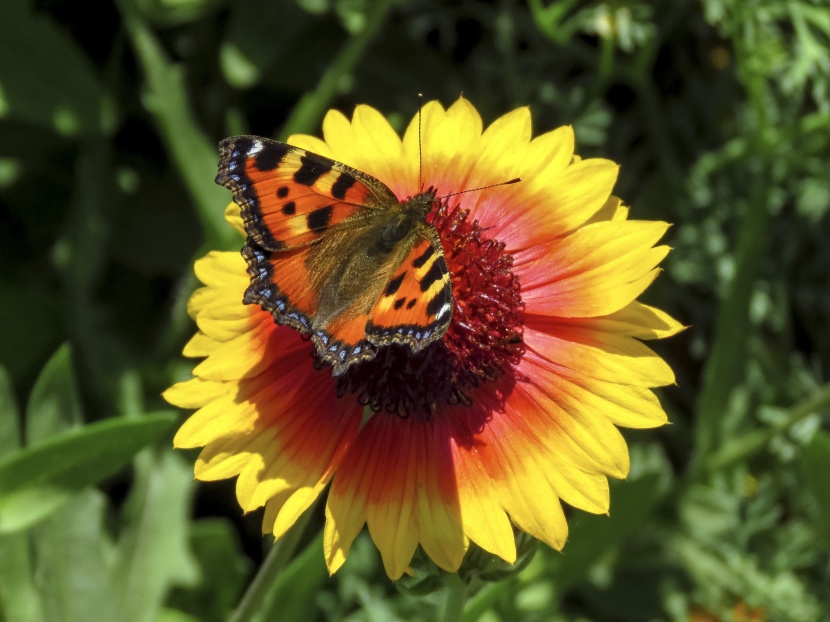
{"type": "Point", "coordinates": [333, 253]}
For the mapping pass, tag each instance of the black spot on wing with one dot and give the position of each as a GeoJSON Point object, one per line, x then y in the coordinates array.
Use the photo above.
{"type": "Point", "coordinates": [343, 183]}
{"type": "Point", "coordinates": [435, 273]}
{"type": "Point", "coordinates": [318, 220]}
{"type": "Point", "coordinates": [424, 257]}
{"type": "Point", "coordinates": [411, 303]}
{"type": "Point", "coordinates": [282, 192]}
{"type": "Point", "coordinates": [399, 303]}
{"type": "Point", "coordinates": [269, 157]}
{"type": "Point", "coordinates": [313, 167]}
{"type": "Point", "coordinates": [394, 284]}
{"type": "Point", "coordinates": [289, 208]}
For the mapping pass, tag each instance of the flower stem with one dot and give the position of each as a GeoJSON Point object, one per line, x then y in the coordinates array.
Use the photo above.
{"type": "Point", "coordinates": [277, 558]}
{"type": "Point", "coordinates": [456, 598]}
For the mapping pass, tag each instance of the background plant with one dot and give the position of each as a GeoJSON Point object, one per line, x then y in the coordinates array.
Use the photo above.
{"type": "Point", "coordinates": [718, 111]}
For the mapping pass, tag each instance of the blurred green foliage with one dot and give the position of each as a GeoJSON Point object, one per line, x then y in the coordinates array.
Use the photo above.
{"type": "Point", "coordinates": [718, 111]}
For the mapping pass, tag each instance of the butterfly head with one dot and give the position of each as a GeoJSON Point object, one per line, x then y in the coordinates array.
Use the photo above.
{"type": "Point", "coordinates": [423, 202]}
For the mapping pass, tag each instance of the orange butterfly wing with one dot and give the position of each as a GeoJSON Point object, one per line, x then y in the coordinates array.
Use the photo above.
{"type": "Point", "coordinates": [414, 309]}
{"type": "Point", "coordinates": [279, 284]}
{"type": "Point", "coordinates": [289, 196]}
{"type": "Point", "coordinates": [290, 200]}
{"type": "Point", "coordinates": [416, 306]}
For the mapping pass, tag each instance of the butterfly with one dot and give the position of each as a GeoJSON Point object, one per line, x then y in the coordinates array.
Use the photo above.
{"type": "Point", "coordinates": [333, 253]}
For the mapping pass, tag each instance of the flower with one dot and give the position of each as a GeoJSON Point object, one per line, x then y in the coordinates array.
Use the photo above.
{"type": "Point", "coordinates": [512, 412]}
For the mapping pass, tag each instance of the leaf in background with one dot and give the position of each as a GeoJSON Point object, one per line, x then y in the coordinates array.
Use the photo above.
{"type": "Point", "coordinates": [37, 325]}
{"type": "Point", "coordinates": [45, 79]}
{"type": "Point", "coordinates": [19, 599]}
{"type": "Point", "coordinates": [73, 570]}
{"type": "Point", "coordinates": [195, 155]}
{"type": "Point", "coordinates": [174, 12]}
{"type": "Point", "coordinates": [36, 480]}
{"type": "Point", "coordinates": [153, 552]}
{"type": "Point", "coordinates": [258, 33]}
{"type": "Point", "coordinates": [293, 595]}
{"type": "Point", "coordinates": [594, 536]}
{"type": "Point", "coordinates": [224, 570]}
{"type": "Point", "coordinates": [9, 415]}
{"type": "Point", "coordinates": [53, 404]}
{"type": "Point", "coordinates": [817, 465]}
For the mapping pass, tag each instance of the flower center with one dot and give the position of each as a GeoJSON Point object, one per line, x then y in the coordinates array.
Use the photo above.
{"type": "Point", "coordinates": [482, 343]}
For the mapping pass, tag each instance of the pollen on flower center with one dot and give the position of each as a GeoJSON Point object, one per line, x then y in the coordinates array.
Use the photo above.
{"type": "Point", "coordinates": [482, 343]}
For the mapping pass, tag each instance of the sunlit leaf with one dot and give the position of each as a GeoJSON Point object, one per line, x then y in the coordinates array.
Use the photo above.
{"type": "Point", "coordinates": [35, 481]}
{"type": "Point", "coordinates": [153, 553]}
{"type": "Point", "coordinates": [74, 561]}
{"type": "Point", "coordinates": [53, 406]}
{"type": "Point", "coordinates": [19, 599]}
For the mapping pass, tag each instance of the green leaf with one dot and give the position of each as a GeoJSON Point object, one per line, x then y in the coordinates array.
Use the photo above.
{"type": "Point", "coordinates": [817, 466]}
{"type": "Point", "coordinates": [258, 33]}
{"type": "Point", "coordinates": [35, 481]}
{"type": "Point", "coordinates": [9, 415]}
{"type": "Point", "coordinates": [53, 406]}
{"type": "Point", "coordinates": [73, 562]}
{"type": "Point", "coordinates": [45, 78]}
{"type": "Point", "coordinates": [195, 155]}
{"type": "Point", "coordinates": [174, 12]}
{"type": "Point", "coordinates": [19, 599]}
{"type": "Point", "coordinates": [292, 596]}
{"type": "Point", "coordinates": [153, 552]}
{"type": "Point", "coordinates": [224, 570]}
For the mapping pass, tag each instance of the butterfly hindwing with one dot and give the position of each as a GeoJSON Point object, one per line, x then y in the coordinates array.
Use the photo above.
{"type": "Point", "coordinates": [290, 197]}
{"type": "Point", "coordinates": [279, 284]}
{"type": "Point", "coordinates": [415, 308]}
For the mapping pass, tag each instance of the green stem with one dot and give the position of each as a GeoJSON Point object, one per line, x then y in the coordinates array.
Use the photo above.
{"type": "Point", "coordinates": [308, 112]}
{"type": "Point", "coordinates": [277, 558]}
{"type": "Point", "coordinates": [456, 599]}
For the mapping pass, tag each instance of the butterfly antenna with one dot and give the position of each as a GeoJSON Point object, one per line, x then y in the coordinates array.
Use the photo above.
{"type": "Point", "coordinates": [501, 183]}
{"type": "Point", "coordinates": [420, 157]}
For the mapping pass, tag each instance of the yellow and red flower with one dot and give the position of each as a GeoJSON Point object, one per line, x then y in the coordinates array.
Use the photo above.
{"type": "Point", "coordinates": [496, 432]}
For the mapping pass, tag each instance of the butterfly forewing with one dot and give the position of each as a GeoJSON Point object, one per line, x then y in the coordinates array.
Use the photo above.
{"type": "Point", "coordinates": [289, 196]}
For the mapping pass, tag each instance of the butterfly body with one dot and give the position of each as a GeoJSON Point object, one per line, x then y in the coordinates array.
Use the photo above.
{"type": "Point", "coordinates": [333, 253]}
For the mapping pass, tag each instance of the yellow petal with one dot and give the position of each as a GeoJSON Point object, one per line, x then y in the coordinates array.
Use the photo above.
{"type": "Point", "coordinates": [640, 321]}
{"type": "Point", "coordinates": [605, 356]}
{"type": "Point", "coordinates": [376, 144]}
{"type": "Point", "coordinates": [221, 268]}
{"type": "Point", "coordinates": [482, 517]}
{"type": "Point", "coordinates": [195, 393]}
{"type": "Point", "coordinates": [233, 216]}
